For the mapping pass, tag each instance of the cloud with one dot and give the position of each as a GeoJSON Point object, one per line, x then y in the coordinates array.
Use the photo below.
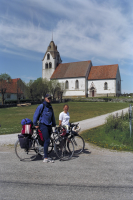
{"type": "Point", "coordinates": [82, 29]}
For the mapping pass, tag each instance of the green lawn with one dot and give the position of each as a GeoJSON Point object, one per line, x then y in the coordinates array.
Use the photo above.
{"type": "Point", "coordinates": [10, 118]}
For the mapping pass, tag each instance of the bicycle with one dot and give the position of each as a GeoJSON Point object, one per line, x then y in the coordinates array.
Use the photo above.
{"type": "Point", "coordinates": [78, 141]}
{"type": "Point", "coordinates": [63, 146]}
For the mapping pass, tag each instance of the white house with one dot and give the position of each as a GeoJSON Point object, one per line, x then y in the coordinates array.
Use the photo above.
{"type": "Point", "coordinates": [81, 78]}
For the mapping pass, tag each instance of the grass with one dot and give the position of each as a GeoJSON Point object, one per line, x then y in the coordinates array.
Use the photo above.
{"type": "Point", "coordinates": [10, 118]}
{"type": "Point", "coordinates": [115, 135]}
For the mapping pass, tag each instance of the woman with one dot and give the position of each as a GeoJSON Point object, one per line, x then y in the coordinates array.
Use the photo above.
{"type": "Point", "coordinates": [64, 116]}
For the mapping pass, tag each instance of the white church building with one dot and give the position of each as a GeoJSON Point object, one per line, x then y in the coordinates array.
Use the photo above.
{"type": "Point", "coordinates": [81, 79]}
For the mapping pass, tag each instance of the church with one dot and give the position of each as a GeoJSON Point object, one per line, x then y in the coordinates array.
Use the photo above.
{"type": "Point", "coordinates": [81, 79]}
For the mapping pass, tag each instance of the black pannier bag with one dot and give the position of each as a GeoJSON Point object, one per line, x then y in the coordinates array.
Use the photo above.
{"type": "Point", "coordinates": [25, 141]}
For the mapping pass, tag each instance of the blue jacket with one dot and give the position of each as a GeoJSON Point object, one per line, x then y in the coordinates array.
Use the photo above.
{"type": "Point", "coordinates": [47, 116]}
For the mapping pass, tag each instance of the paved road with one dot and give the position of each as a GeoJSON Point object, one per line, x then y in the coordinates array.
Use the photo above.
{"type": "Point", "coordinates": [97, 174]}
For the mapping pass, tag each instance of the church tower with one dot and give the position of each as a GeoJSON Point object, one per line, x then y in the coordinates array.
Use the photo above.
{"type": "Point", "coordinates": [50, 60]}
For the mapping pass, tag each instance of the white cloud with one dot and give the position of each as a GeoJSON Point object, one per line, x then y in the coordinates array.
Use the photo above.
{"type": "Point", "coordinates": [82, 29]}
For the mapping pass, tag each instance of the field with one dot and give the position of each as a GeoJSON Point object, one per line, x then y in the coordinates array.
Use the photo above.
{"type": "Point", "coordinates": [10, 118]}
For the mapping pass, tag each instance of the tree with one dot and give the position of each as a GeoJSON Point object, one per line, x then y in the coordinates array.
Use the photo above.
{"type": "Point", "coordinates": [54, 86]}
{"type": "Point", "coordinates": [37, 89]}
{"type": "Point", "coordinates": [5, 80]}
{"type": "Point", "coordinates": [21, 89]}
{"type": "Point", "coordinates": [61, 90]}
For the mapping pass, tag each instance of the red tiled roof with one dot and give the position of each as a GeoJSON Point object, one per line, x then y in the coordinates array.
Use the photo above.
{"type": "Point", "coordinates": [103, 72]}
{"type": "Point", "coordinates": [11, 87]}
{"type": "Point", "coordinates": [71, 70]}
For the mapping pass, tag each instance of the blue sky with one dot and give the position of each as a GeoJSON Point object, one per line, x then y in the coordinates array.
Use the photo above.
{"type": "Point", "coordinates": [96, 30]}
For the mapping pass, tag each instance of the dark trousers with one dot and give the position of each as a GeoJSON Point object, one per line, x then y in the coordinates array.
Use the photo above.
{"type": "Point", "coordinates": [46, 131]}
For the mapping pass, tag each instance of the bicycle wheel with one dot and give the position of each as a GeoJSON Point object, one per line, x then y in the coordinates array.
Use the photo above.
{"type": "Point", "coordinates": [26, 155]}
{"type": "Point", "coordinates": [79, 144]}
{"type": "Point", "coordinates": [64, 148]}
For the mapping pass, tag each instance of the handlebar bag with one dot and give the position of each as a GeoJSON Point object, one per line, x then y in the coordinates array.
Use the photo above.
{"type": "Point", "coordinates": [25, 141]}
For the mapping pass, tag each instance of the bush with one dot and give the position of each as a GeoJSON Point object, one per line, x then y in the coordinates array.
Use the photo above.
{"type": "Point", "coordinates": [117, 123]}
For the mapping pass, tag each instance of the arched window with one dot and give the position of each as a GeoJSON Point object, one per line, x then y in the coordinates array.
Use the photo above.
{"type": "Point", "coordinates": [105, 86]}
{"type": "Point", "coordinates": [50, 65]}
{"type": "Point", "coordinates": [76, 84]}
{"type": "Point", "coordinates": [48, 56]}
{"type": "Point", "coordinates": [46, 66]}
{"type": "Point", "coordinates": [66, 85]}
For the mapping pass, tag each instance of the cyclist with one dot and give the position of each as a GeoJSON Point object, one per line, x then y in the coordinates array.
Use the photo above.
{"type": "Point", "coordinates": [45, 115]}
{"type": "Point", "coordinates": [64, 116]}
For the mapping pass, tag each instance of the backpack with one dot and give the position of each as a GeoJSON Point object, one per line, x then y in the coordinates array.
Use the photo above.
{"type": "Point", "coordinates": [41, 111]}
{"type": "Point", "coordinates": [26, 126]}
{"type": "Point", "coordinates": [26, 121]}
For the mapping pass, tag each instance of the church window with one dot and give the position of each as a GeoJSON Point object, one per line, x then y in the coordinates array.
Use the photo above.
{"type": "Point", "coordinates": [50, 65]}
{"type": "Point", "coordinates": [105, 86]}
{"type": "Point", "coordinates": [48, 56]}
{"type": "Point", "coordinates": [76, 84]}
{"type": "Point", "coordinates": [66, 85]}
{"type": "Point", "coordinates": [46, 66]}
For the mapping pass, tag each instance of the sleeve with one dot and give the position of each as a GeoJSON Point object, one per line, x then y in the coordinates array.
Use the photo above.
{"type": "Point", "coordinates": [37, 113]}
{"type": "Point", "coordinates": [53, 119]}
{"type": "Point", "coordinates": [61, 116]}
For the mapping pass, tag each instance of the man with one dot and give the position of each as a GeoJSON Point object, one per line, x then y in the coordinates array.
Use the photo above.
{"type": "Point", "coordinates": [44, 113]}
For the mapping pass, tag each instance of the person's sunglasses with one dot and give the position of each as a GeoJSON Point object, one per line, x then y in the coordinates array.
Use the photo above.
{"type": "Point", "coordinates": [49, 98]}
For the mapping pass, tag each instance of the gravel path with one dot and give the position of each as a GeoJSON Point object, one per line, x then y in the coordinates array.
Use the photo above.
{"type": "Point", "coordinates": [85, 124]}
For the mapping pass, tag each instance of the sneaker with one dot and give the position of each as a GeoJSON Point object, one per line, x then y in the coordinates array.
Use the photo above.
{"type": "Point", "coordinates": [46, 160]}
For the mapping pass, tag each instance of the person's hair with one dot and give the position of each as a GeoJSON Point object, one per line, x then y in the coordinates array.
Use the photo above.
{"type": "Point", "coordinates": [66, 105]}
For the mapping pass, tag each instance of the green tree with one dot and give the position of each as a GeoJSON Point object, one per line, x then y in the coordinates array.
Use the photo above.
{"type": "Point", "coordinates": [61, 90]}
{"type": "Point", "coordinates": [37, 89]}
{"type": "Point", "coordinates": [53, 87]}
{"type": "Point", "coordinates": [21, 89]}
{"type": "Point", "coordinates": [5, 80]}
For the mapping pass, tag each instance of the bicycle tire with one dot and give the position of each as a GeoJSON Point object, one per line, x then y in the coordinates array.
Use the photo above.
{"type": "Point", "coordinates": [79, 144]}
{"type": "Point", "coordinates": [25, 155]}
{"type": "Point", "coordinates": [64, 148]}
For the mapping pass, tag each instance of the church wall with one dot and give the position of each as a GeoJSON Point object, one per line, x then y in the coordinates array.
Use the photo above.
{"type": "Point", "coordinates": [72, 91]}
{"type": "Point", "coordinates": [99, 87]}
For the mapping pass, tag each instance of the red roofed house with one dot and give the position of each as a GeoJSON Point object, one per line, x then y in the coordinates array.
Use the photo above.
{"type": "Point", "coordinates": [13, 89]}
{"type": "Point", "coordinates": [81, 78]}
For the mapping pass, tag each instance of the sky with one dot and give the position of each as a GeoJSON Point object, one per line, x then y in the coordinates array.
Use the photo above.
{"type": "Point", "coordinates": [96, 30]}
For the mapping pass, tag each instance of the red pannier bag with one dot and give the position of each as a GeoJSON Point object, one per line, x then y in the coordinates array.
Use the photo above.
{"type": "Point", "coordinates": [27, 129]}
{"type": "Point", "coordinates": [40, 139]}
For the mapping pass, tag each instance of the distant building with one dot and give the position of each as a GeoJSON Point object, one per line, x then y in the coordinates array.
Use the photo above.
{"type": "Point", "coordinates": [14, 89]}
{"type": "Point", "coordinates": [81, 78]}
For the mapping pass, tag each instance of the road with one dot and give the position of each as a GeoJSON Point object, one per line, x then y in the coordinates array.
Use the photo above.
{"type": "Point", "coordinates": [97, 174]}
